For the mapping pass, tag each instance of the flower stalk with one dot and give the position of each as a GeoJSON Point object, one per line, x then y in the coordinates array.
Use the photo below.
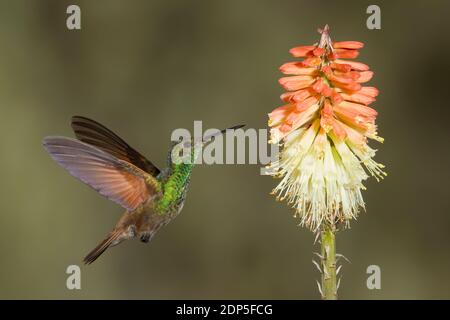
{"type": "Point", "coordinates": [328, 263]}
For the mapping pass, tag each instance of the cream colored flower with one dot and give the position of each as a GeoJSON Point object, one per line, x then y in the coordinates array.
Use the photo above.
{"type": "Point", "coordinates": [323, 130]}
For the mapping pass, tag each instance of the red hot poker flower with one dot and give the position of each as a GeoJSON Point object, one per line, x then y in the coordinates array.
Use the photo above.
{"type": "Point", "coordinates": [323, 127]}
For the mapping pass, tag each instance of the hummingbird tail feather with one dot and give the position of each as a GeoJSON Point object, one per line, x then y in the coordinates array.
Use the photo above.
{"type": "Point", "coordinates": [102, 246]}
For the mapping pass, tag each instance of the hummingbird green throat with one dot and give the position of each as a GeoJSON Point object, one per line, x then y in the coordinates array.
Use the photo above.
{"type": "Point", "coordinates": [152, 197]}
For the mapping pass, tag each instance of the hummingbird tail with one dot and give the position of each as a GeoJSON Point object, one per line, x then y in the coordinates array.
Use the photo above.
{"type": "Point", "coordinates": [102, 246]}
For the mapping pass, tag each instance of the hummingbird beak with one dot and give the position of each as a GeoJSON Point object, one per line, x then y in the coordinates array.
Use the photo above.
{"type": "Point", "coordinates": [215, 134]}
{"type": "Point", "coordinates": [208, 137]}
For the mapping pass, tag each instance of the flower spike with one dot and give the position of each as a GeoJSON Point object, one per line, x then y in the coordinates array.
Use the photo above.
{"type": "Point", "coordinates": [323, 128]}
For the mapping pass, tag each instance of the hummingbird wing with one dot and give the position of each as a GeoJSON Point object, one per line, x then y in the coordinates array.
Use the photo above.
{"type": "Point", "coordinates": [96, 134]}
{"type": "Point", "coordinates": [116, 179]}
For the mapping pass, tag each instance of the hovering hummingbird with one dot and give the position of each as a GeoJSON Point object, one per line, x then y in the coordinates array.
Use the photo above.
{"type": "Point", "coordinates": [152, 197]}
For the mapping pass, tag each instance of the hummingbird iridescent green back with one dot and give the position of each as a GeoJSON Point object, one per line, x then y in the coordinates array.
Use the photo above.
{"type": "Point", "coordinates": [105, 162]}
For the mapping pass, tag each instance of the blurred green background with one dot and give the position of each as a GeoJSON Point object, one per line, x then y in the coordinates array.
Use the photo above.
{"type": "Point", "coordinates": [144, 68]}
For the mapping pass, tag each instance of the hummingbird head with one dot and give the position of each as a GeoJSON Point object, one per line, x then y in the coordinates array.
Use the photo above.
{"type": "Point", "coordinates": [187, 152]}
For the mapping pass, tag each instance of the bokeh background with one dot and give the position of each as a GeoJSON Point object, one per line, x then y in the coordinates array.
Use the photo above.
{"type": "Point", "coordinates": [144, 68]}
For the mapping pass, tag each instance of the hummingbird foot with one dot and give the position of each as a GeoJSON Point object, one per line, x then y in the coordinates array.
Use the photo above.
{"type": "Point", "coordinates": [145, 237]}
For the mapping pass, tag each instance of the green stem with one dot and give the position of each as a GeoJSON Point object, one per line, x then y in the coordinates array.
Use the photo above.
{"type": "Point", "coordinates": [328, 253]}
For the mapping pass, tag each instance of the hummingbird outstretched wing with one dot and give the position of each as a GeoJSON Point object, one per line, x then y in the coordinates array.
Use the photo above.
{"type": "Point", "coordinates": [114, 178]}
{"type": "Point", "coordinates": [96, 134]}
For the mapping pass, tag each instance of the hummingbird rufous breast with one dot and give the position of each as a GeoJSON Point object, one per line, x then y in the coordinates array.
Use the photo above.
{"type": "Point", "coordinates": [152, 197]}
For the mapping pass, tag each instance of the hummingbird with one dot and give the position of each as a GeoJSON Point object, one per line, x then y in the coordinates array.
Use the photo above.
{"type": "Point", "coordinates": [105, 162]}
